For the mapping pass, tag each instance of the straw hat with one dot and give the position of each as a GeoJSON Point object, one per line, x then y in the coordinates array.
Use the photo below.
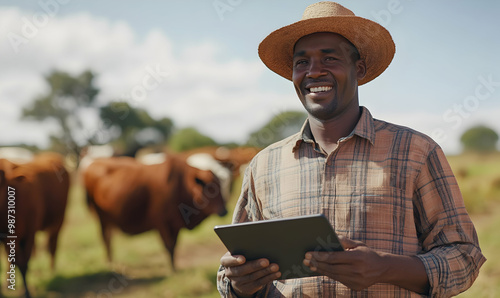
{"type": "Point", "coordinates": [373, 42]}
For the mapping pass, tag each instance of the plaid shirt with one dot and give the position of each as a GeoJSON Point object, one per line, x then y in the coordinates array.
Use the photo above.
{"type": "Point", "coordinates": [385, 185]}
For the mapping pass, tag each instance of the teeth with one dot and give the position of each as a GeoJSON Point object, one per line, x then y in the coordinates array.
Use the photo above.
{"type": "Point", "coordinates": [320, 89]}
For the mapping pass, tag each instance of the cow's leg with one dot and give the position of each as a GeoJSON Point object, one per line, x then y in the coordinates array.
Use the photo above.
{"type": "Point", "coordinates": [53, 236]}
{"type": "Point", "coordinates": [106, 236]}
{"type": "Point", "coordinates": [53, 231]}
{"type": "Point", "coordinates": [169, 237]}
{"type": "Point", "coordinates": [23, 273]}
{"type": "Point", "coordinates": [24, 253]}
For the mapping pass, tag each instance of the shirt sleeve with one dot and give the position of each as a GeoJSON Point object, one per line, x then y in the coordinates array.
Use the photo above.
{"type": "Point", "coordinates": [247, 209]}
{"type": "Point", "coordinates": [450, 247]}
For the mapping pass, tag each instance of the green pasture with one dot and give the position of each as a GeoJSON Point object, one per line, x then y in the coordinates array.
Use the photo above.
{"type": "Point", "coordinates": [479, 179]}
{"type": "Point", "coordinates": [141, 266]}
{"type": "Point", "coordinates": [478, 176]}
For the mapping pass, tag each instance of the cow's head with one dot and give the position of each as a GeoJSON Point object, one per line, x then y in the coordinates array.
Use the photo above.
{"type": "Point", "coordinates": [205, 190]}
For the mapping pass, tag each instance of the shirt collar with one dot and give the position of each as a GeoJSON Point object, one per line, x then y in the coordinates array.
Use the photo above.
{"type": "Point", "coordinates": [365, 128]}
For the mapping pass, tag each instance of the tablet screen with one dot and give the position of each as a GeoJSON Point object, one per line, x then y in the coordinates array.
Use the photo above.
{"type": "Point", "coordinates": [282, 241]}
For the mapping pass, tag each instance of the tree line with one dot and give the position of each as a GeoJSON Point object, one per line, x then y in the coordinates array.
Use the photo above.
{"type": "Point", "coordinates": [70, 99]}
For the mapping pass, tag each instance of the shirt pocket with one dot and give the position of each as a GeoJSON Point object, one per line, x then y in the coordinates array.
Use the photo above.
{"type": "Point", "coordinates": [382, 218]}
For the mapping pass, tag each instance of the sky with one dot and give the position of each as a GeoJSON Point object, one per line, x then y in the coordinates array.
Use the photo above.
{"type": "Point", "coordinates": [196, 62]}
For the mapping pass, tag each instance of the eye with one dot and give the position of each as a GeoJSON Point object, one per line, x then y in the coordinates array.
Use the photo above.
{"type": "Point", "coordinates": [330, 58]}
{"type": "Point", "coordinates": [300, 62]}
{"type": "Point", "coordinates": [200, 182]}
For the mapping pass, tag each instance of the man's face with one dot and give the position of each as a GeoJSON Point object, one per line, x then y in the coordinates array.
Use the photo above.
{"type": "Point", "coordinates": [325, 74]}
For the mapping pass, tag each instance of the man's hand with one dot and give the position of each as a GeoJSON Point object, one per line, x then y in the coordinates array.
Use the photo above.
{"type": "Point", "coordinates": [248, 277]}
{"type": "Point", "coordinates": [359, 267]}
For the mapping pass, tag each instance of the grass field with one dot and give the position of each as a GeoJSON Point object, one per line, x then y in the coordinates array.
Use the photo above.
{"type": "Point", "coordinates": [479, 180]}
{"type": "Point", "coordinates": [141, 266]}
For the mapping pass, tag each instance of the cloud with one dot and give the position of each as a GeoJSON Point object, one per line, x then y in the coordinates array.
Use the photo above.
{"type": "Point", "coordinates": [199, 84]}
{"type": "Point", "coordinates": [195, 85]}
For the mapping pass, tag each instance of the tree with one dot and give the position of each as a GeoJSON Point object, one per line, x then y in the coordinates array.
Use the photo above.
{"type": "Point", "coordinates": [479, 139]}
{"type": "Point", "coordinates": [67, 96]}
{"type": "Point", "coordinates": [189, 138]}
{"type": "Point", "coordinates": [133, 128]}
{"type": "Point", "coordinates": [279, 127]}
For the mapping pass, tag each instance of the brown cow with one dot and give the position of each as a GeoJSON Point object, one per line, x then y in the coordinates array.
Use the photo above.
{"type": "Point", "coordinates": [19, 192]}
{"type": "Point", "coordinates": [18, 227]}
{"type": "Point", "coordinates": [38, 190]}
{"type": "Point", "coordinates": [54, 186]}
{"type": "Point", "coordinates": [138, 198]}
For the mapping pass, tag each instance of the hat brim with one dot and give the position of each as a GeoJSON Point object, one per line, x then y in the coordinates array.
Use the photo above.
{"type": "Point", "coordinates": [373, 42]}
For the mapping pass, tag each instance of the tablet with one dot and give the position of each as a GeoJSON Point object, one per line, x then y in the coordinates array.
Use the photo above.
{"type": "Point", "coordinates": [282, 241]}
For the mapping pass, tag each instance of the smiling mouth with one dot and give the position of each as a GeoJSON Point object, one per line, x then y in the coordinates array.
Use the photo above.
{"type": "Point", "coordinates": [320, 89]}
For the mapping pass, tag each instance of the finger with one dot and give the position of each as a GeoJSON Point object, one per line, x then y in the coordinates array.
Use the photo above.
{"type": "Point", "coordinates": [272, 275]}
{"type": "Point", "coordinates": [312, 260]}
{"type": "Point", "coordinates": [349, 243]}
{"type": "Point", "coordinates": [229, 260]}
{"type": "Point", "coordinates": [258, 277]}
{"type": "Point", "coordinates": [247, 268]}
{"type": "Point", "coordinates": [334, 257]}
{"type": "Point", "coordinates": [330, 269]}
{"type": "Point", "coordinates": [310, 263]}
{"type": "Point", "coordinates": [248, 287]}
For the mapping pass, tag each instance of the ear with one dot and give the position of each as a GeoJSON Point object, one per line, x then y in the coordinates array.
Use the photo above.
{"type": "Point", "coordinates": [360, 69]}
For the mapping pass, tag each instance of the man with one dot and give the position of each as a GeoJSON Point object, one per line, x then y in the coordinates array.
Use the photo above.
{"type": "Point", "coordinates": [387, 190]}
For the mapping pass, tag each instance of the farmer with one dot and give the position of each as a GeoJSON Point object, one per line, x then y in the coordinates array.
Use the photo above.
{"type": "Point", "coordinates": [387, 190]}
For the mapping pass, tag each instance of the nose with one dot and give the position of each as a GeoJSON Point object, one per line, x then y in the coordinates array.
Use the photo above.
{"type": "Point", "coordinates": [315, 69]}
{"type": "Point", "coordinates": [222, 212]}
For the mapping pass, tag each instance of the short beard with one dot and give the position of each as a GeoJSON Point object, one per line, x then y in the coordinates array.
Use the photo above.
{"type": "Point", "coordinates": [322, 113]}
